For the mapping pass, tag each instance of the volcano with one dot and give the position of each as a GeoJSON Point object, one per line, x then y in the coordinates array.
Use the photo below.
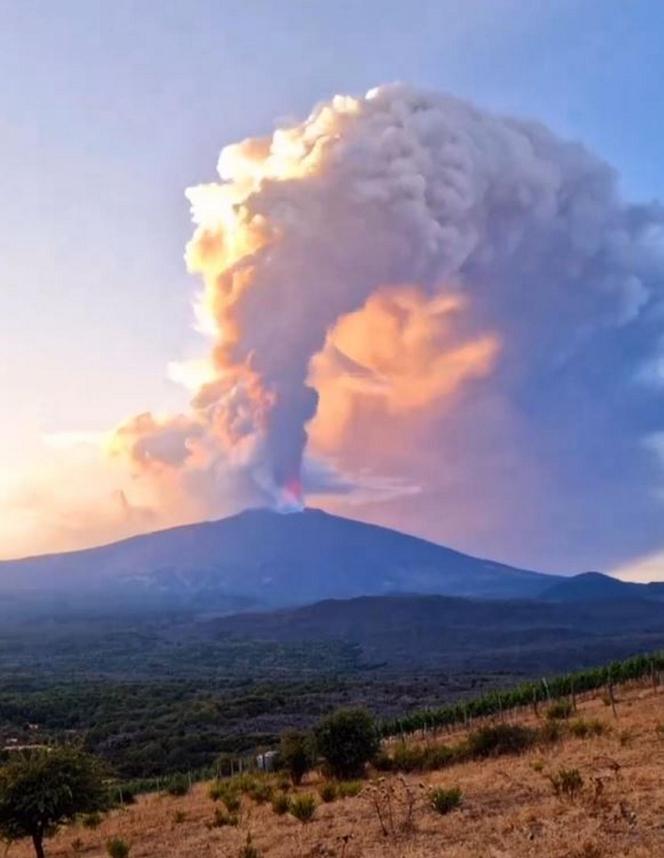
{"type": "Point", "coordinates": [260, 559]}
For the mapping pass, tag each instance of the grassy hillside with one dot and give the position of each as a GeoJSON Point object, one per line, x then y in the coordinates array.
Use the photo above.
{"type": "Point", "coordinates": [609, 800]}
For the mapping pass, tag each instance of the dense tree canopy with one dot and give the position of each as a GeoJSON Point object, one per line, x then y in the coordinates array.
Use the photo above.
{"type": "Point", "coordinates": [43, 789]}
{"type": "Point", "coordinates": [347, 740]}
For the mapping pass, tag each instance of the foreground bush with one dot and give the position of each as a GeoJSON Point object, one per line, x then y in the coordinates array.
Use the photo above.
{"type": "Point", "coordinates": [260, 791]}
{"type": "Point", "coordinates": [444, 800]}
{"type": "Point", "coordinates": [491, 741]}
{"type": "Point", "coordinates": [116, 847]}
{"type": "Point", "coordinates": [178, 785]}
{"type": "Point", "coordinates": [297, 754]}
{"type": "Point", "coordinates": [258, 787]}
{"type": "Point", "coordinates": [281, 803]}
{"type": "Point", "coordinates": [499, 739]}
{"type": "Point", "coordinates": [328, 791]}
{"type": "Point", "coordinates": [567, 783]}
{"type": "Point", "coordinates": [417, 758]}
{"type": "Point", "coordinates": [303, 807]}
{"type": "Point", "coordinates": [551, 732]}
{"type": "Point", "coordinates": [349, 789]}
{"type": "Point", "coordinates": [223, 818]}
{"type": "Point", "coordinates": [560, 710]}
{"type": "Point", "coordinates": [347, 740]}
{"type": "Point", "coordinates": [228, 793]}
{"type": "Point", "coordinates": [42, 790]}
{"type": "Point", "coordinates": [583, 729]}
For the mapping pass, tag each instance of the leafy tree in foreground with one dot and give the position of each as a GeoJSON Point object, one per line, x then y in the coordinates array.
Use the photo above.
{"type": "Point", "coordinates": [347, 740]}
{"type": "Point", "coordinates": [296, 752]}
{"type": "Point", "coordinates": [41, 790]}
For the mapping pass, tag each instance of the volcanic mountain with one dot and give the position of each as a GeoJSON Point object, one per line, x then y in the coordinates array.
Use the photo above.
{"type": "Point", "coordinates": [263, 559]}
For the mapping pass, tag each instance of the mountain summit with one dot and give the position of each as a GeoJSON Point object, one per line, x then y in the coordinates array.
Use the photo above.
{"type": "Point", "coordinates": [262, 558]}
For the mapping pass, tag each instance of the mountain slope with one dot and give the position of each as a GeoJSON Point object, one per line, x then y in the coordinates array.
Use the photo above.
{"type": "Point", "coordinates": [452, 633]}
{"type": "Point", "coordinates": [263, 558]}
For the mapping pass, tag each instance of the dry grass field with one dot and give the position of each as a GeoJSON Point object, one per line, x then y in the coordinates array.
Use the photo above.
{"type": "Point", "coordinates": [509, 807]}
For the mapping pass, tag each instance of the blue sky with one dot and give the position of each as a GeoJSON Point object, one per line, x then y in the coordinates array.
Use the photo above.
{"type": "Point", "coordinates": [109, 110]}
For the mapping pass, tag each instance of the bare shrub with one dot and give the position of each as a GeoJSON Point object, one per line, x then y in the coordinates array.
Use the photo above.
{"type": "Point", "coordinates": [394, 802]}
{"type": "Point", "coordinates": [249, 850]}
{"type": "Point", "coordinates": [567, 783]}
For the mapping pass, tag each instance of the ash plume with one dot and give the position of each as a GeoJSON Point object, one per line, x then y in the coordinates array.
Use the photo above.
{"type": "Point", "coordinates": [427, 291]}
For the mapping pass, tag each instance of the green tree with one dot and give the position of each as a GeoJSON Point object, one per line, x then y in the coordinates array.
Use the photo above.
{"type": "Point", "coordinates": [296, 753]}
{"type": "Point", "coordinates": [347, 740]}
{"type": "Point", "coordinates": [41, 790]}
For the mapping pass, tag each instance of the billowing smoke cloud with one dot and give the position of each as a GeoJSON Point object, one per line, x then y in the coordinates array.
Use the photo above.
{"type": "Point", "coordinates": [457, 304]}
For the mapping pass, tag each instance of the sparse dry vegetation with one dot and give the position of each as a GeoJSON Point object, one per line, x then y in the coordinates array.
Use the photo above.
{"type": "Point", "coordinates": [280, 803]}
{"type": "Point", "coordinates": [610, 801]}
{"type": "Point", "coordinates": [116, 847]}
{"type": "Point", "coordinates": [178, 785]}
{"type": "Point", "coordinates": [584, 728]}
{"type": "Point", "coordinates": [567, 783]}
{"type": "Point", "coordinates": [444, 800]}
{"type": "Point", "coordinates": [303, 807]}
{"type": "Point", "coordinates": [249, 850]}
{"type": "Point", "coordinates": [222, 818]}
{"type": "Point", "coordinates": [328, 791]}
{"type": "Point", "coordinates": [349, 789]}
{"type": "Point", "coordinates": [560, 710]}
